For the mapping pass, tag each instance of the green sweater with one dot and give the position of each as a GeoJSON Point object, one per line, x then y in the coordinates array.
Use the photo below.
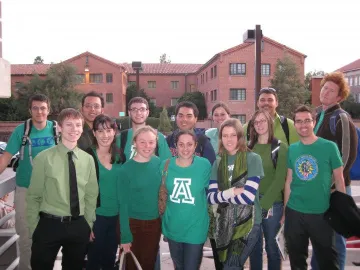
{"type": "Point", "coordinates": [272, 185]}
{"type": "Point", "coordinates": [138, 191]}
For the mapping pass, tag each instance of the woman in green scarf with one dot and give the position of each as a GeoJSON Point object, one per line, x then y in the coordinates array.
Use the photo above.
{"type": "Point", "coordinates": [233, 186]}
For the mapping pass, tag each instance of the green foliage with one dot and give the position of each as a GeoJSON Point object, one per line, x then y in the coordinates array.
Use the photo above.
{"type": "Point", "coordinates": [59, 85]}
{"type": "Point", "coordinates": [124, 122]}
{"type": "Point", "coordinates": [291, 92]}
{"type": "Point", "coordinates": [131, 92]}
{"type": "Point", "coordinates": [164, 59]}
{"type": "Point", "coordinates": [351, 106]}
{"type": "Point", "coordinates": [8, 110]}
{"type": "Point", "coordinates": [164, 125]}
{"type": "Point", "coordinates": [199, 100]}
{"type": "Point", "coordinates": [38, 60]}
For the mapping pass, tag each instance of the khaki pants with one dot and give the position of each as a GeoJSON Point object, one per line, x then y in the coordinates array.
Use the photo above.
{"type": "Point", "coordinates": [22, 229]}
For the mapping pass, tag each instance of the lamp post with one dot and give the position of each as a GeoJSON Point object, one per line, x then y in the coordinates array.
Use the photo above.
{"type": "Point", "coordinates": [251, 36]}
{"type": "Point", "coordinates": [137, 66]}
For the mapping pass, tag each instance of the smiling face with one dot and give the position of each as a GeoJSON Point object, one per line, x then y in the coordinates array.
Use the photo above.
{"type": "Point", "coordinates": [91, 109]}
{"type": "Point", "coordinates": [261, 125]}
{"type": "Point", "coordinates": [304, 124]}
{"type": "Point", "coordinates": [138, 113]}
{"type": "Point", "coordinates": [220, 115]}
{"type": "Point", "coordinates": [39, 111]}
{"type": "Point", "coordinates": [186, 146]}
{"type": "Point", "coordinates": [268, 102]}
{"type": "Point", "coordinates": [145, 144]}
{"type": "Point", "coordinates": [185, 119]}
{"type": "Point", "coordinates": [70, 129]}
{"type": "Point", "coordinates": [329, 94]}
{"type": "Point", "coordinates": [229, 140]}
{"type": "Point", "coordinates": [104, 135]}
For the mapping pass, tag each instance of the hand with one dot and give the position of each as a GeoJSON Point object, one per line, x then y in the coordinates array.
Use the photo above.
{"type": "Point", "coordinates": [126, 247]}
{"type": "Point", "coordinates": [92, 236]}
{"type": "Point", "coordinates": [282, 220]}
{"type": "Point", "coordinates": [264, 213]}
{"type": "Point", "coordinates": [238, 191]}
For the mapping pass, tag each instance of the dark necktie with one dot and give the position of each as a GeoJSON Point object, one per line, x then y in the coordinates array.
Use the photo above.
{"type": "Point", "coordinates": [74, 196]}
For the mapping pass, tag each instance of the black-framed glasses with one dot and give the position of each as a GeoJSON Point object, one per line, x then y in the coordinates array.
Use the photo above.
{"type": "Point", "coordinates": [267, 89]}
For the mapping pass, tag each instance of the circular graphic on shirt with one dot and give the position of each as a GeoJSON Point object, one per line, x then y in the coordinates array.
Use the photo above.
{"type": "Point", "coordinates": [306, 168]}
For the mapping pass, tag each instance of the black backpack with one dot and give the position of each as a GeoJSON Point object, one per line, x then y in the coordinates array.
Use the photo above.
{"type": "Point", "coordinates": [123, 140]}
{"type": "Point", "coordinates": [275, 146]}
{"type": "Point", "coordinates": [284, 124]}
{"type": "Point", "coordinates": [26, 139]}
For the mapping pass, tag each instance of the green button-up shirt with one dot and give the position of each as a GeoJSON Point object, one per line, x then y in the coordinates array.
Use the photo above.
{"type": "Point", "coordinates": [49, 189]}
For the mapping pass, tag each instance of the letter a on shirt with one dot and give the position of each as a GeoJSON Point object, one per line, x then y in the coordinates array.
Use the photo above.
{"type": "Point", "coordinates": [181, 192]}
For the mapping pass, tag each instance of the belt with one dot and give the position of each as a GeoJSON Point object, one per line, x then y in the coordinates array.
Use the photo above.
{"type": "Point", "coordinates": [61, 218]}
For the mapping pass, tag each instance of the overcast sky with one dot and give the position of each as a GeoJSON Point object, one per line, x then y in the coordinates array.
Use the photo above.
{"type": "Point", "coordinates": [189, 31]}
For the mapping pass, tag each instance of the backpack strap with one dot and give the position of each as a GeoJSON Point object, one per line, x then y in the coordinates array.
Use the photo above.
{"type": "Point", "coordinates": [275, 146]}
{"type": "Point", "coordinates": [90, 151]}
{"type": "Point", "coordinates": [26, 139]}
{"type": "Point", "coordinates": [123, 139]}
{"type": "Point", "coordinates": [157, 143]}
{"type": "Point", "coordinates": [164, 172]}
{"type": "Point", "coordinates": [55, 132]}
{"type": "Point", "coordinates": [285, 126]}
{"type": "Point", "coordinates": [201, 143]}
{"type": "Point", "coordinates": [333, 120]}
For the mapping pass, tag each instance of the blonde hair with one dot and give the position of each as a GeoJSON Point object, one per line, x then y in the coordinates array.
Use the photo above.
{"type": "Point", "coordinates": [241, 144]}
{"type": "Point", "coordinates": [143, 130]}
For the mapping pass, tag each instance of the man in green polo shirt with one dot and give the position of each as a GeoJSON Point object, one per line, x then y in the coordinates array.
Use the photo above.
{"type": "Point", "coordinates": [61, 199]}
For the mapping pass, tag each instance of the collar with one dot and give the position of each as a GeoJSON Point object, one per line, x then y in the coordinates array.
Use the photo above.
{"type": "Point", "coordinates": [331, 109]}
{"type": "Point", "coordinates": [63, 150]}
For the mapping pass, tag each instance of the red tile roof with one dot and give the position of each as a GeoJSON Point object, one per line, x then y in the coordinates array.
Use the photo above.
{"type": "Point", "coordinates": [352, 66]}
{"type": "Point", "coordinates": [29, 69]}
{"type": "Point", "coordinates": [164, 68]}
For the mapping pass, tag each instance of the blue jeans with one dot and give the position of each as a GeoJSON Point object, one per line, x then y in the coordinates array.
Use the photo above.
{"type": "Point", "coordinates": [340, 245]}
{"type": "Point", "coordinates": [270, 228]}
{"type": "Point", "coordinates": [253, 237]}
{"type": "Point", "coordinates": [102, 252]}
{"type": "Point", "coordinates": [186, 256]}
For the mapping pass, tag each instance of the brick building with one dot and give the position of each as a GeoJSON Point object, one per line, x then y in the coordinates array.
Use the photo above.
{"type": "Point", "coordinates": [228, 76]}
{"type": "Point", "coordinates": [352, 73]}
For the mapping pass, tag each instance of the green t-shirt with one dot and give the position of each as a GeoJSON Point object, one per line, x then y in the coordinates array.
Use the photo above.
{"type": "Point", "coordinates": [272, 185]}
{"type": "Point", "coordinates": [312, 168]}
{"type": "Point", "coordinates": [40, 140]}
{"type": "Point", "coordinates": [254, 168]}
{"type": "Point", "coordinates": [164, 151]}
{"type": "Point", "coordinates": [213, 135]}
{"type": "Point", "coordinates": [138, 191]}
{"type": "Point", "coordinates": [108, 189]}
{"type": "Point", "coordinates": [186, 218]}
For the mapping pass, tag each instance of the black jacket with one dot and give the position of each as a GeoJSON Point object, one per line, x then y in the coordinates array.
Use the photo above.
{"type": "Point", "coordinates": [343, 215]}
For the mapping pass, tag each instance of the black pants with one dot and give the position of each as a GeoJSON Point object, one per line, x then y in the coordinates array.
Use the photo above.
{"type": "Point", "coordinates": [299, 228]}
{"type": "Point", "coordinates": [51, 234]}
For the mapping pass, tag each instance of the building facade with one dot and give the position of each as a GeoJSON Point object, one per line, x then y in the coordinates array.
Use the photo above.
{"type": "Point", "coordinates": [352, 73]}
{"type": "Point", "coordinates": [229, 76]}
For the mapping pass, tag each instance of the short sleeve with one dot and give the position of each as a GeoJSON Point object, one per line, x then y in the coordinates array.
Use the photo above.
{"type": "Point", "coordinates": [255, 167]}
{"type": "Point", "coordinates": [14, 143]}
{"type": "Point", "coordinates": [214, 170]}
{"type": "Point", "coordinates": [335, 157]}
{"type": "Point", "coordinates": [289, 159]}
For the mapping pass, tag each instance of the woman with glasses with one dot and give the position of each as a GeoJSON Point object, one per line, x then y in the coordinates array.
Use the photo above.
{"type": "Point", "coordinates": [138, 189]}
{"type": "Point", "coordinates": [220, 112]}
{"type": "Point", "coordinates": [274, 156]}
{"type": "Point", "coordinates": [102, 250]}
{"type": "Point", "coordinates": [233, 187]}
{"type": "Point", "coordinates": [185, 222]}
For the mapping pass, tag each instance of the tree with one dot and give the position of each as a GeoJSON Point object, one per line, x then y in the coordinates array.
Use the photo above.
{"type": "Point", "coordinates": [131, 92]}
{"type": "Point", "coordinates": [164, 125]}
{"type": "Point", "coordinates": [311, 74]}
{"type": "Point", "coordinates": [59, 86]}
{"type": "Point", "coordinates": [38, 60]}
{"type": "Point", "coordinates": [9, 110]}
{"type": "Point", "coordinates": [291, 92]}
{"type": "Point", "coordinates": [164, 59]}
{"type": "Point", "coordinates": [351, 106]}
{"type": "Point", "coordinates": [199, 100]}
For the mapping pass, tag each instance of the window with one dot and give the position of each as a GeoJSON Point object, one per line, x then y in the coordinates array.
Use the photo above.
{"type": "Point", "coordinates": [96, 78]}
{"type": "Point", "coordinates": [351, 81]}
{"type": "Point", "coordinates": [109, 78]}
{"type": "Point", "coordinates": [80, 78]}
{"type": "Point", "coordinates": [153, 101]}
{"type": "Point", "coordinates": [18, 86]}
{"type": "Point", "coordinates": [214, 95]}
{"type": "Point", "coordinates": [265, 69]}
{"type": "Point", "coordinates": [237, 94]}
{"type": "Point", "coordinates": [131, 83]}
{"type": "Point", "coordinates": [237, 69]}
{"type": "Point", "coordinates": [215, 71]}
{"type": "Point", "coordinates": [241, 117]}
{"type": "Point", "coordinates": [262, 45]}
{"type": "Point", "coordinates": [212, 73]}
{"type": "Point", "coordinates": [356, 81]}
{"type": "Point", "coordinates": [206, 96]}
{"type": "Point", "coordinates": [206, 76]}
{"type": "Point", "coordinates": [192, 87]}
{"type": "Point", "coordinates": [174, 84]}
{"type": "Point", "coordinates": [152, 84]}
{"type": "Point", "coordinates": [174, 101]}
{"type": "Point", "coordinates": [109, 98]}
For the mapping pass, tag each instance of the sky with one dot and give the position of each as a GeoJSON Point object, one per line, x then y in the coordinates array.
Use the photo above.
{"type": "Point", "coordinates": [188, 31]}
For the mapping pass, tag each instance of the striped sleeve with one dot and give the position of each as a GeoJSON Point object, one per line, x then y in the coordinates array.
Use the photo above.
{"type": "Point", "coordinates": [215, 196]}
{"type": "Point", "coordinates": [249, 194]}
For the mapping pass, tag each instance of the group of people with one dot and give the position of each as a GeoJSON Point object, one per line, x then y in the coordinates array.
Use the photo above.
{"type": "Point", "coordinates": [96, 189]}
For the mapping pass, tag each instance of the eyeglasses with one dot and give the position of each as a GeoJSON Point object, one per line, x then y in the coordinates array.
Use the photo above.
{"type": "Point", "coordinates": [93, 106]}
{"type": "Point", "coordinates": [267, 89]}
{"type": "Point", "coordinates": [36, 108]}
{"type": "Point", "coordinates": [135, 110]}
{"type": "Point", "coordinates": [306, 121]}
{"type": "Point", "coordinates": [262, 121]}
